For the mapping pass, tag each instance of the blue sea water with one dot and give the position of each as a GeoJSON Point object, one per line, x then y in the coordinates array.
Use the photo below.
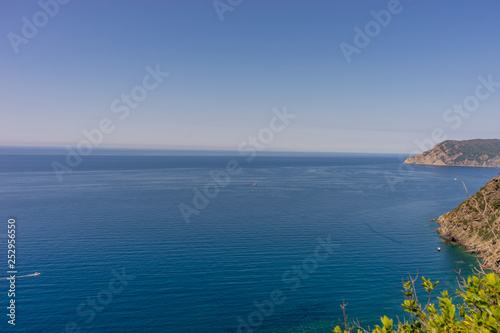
{"type": "Point", "coordinates": [118, 214]}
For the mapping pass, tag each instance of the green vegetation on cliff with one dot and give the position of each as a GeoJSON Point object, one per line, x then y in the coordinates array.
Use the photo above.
{"type": "Point", "coordinates": [475, 224]}
{"type": "Point", "coordinates": [473, 149]}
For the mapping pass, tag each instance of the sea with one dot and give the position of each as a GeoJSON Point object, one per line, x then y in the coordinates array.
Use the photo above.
{"type": "Point", "coordinates": [196, 241]}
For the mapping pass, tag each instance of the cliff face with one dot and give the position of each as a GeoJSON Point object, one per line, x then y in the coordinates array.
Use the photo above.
{"type": "Point", "coordinates": [471, 153]}
{"type": "Point", "coordinates": [475, 224]}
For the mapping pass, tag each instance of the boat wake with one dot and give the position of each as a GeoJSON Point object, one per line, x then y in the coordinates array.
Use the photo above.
{"type": "Point", "coordinates": [21, 276]}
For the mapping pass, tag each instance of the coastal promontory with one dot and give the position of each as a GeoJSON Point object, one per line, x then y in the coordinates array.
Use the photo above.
{"type": "Point", "coordinates": [468, 153]}
{"type": "Point", "coordinates": [475, 224]}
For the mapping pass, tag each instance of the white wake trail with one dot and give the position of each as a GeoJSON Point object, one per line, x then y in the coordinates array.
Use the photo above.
{"type": "Point", "coordinates": [20, 276]}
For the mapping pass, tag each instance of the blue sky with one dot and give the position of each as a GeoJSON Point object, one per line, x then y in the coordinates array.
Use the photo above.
{"type": "Point", "coordinates": [225, 77]}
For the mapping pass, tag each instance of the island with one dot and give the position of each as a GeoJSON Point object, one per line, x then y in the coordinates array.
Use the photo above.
{"type": "Point", "coordinates": [468, 153]}
{"type": "Point", "coordinates": [475, 225]}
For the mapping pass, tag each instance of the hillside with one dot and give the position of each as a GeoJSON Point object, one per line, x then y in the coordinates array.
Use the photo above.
{"type": "Point", "coordinates": [470, 153]}
{"type": "Point", "coordinates": [475, 224]}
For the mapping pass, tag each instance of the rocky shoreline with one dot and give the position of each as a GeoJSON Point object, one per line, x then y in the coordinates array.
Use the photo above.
{"type": "Point", "coordinates": [475, 225]}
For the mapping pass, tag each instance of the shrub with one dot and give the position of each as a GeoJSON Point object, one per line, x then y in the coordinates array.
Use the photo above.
{"type": "Point", "coordinates": [477, 312]}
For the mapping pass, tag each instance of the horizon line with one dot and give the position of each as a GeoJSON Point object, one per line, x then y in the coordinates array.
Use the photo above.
{"type": "Point", "coordinates": [201, 150]}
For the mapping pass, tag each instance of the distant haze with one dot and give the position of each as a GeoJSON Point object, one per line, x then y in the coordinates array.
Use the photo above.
{"type": "Point", "coordinates": [428, 66]}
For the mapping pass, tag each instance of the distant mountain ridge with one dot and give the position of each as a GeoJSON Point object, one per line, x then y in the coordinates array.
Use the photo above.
{"type": "Point", "coordinates": [470, 153]}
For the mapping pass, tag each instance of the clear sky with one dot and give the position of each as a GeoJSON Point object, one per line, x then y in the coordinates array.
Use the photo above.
{"type": "Point", "coordinates": [226, 76]}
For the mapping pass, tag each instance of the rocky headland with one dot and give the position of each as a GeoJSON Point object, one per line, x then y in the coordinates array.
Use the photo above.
{"type": "Point", "coordinates": [475, 225]}
{"type": "Point", "coordinates": [469, 153]}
